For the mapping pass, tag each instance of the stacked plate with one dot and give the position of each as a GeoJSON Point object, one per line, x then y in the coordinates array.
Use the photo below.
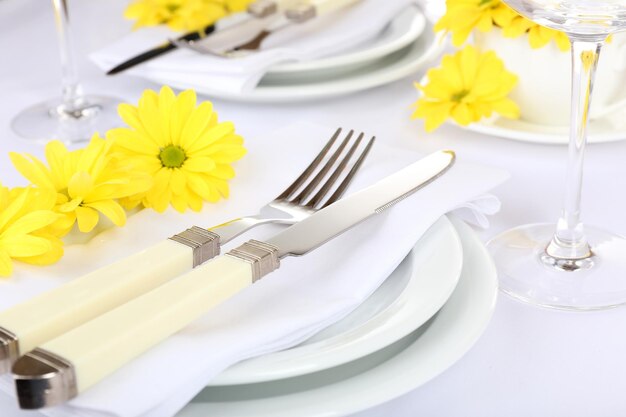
{"type": "Point", "coordinates": [406, 46]}
{"type": "Point", "coordinates": [425, 316]}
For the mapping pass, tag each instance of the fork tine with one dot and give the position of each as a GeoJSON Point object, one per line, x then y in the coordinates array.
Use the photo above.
{"type": "Point", "coordinates": [322, 173]}
{"type": "Point", "coordinates": [309, 170]}
{"type": "Point", "coordinates": [348, 179]}
{"type": "Point", "coordinates": [335, 175]}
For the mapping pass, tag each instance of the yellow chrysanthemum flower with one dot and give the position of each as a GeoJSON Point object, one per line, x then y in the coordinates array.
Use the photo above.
{"type": "Point", "coordinates": [25, 218]}
{"type": "Point", "coordinates": [463, 16]}
{"type": "Point", "coordinates": [181, 145]}
{"type": "Point", "coordinates": [87, 182]}
{"type": "Point", "coordinates": [514, 24]}
{"type": "Point", "coordinates": [181, 15]}
{"type": "Point", "coordinates": [469, 85]}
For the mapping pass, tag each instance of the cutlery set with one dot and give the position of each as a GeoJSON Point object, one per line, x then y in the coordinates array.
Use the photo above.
{"type": "Point", "coordinates": [262, 18]}
{"type": "Point", "coordinates": [239, 40]}
{"type": "Point", "coordinates": [62, 342]}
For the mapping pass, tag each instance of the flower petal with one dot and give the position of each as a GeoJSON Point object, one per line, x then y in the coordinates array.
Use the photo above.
{"type": "Point", "coordinates": [6, 266]}
{"type": "Point", "coordinates": [25, 245]}
{"type": "Point", "coordinates": [32, 221]}
{"type": "Point", "coordinates": [87, 218]}
{"type": "Point", "coordinates": [110, 209]}
{"type": "Point", "coordinates": [33, 170]}
{"type": "Point", "coordinates": [53, 255]}
{"type": "Point", "coordinates": [80, 185]}
{"type": "Point", "coordinates": [202, 164]}
{"type": "Point", "coordinates": [13, 208]}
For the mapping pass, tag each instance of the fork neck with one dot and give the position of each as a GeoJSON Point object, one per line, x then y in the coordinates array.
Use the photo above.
{"type": "Point", "coordinates": [231, 229]}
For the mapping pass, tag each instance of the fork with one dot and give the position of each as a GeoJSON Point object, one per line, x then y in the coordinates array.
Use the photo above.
{"type": "Point", "coordinates": [53, 313]}
{"type": "Point", "coordinates": [297, 201]}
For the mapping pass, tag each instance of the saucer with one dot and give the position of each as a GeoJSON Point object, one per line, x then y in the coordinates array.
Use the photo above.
{"type": "Point", "coordinates": [601, 130]}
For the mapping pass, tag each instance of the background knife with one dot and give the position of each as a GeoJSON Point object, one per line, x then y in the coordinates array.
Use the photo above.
{"type": "Point", "coordinates": [66, 366]}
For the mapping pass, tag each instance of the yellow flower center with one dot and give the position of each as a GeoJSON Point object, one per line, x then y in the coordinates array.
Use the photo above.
{"type": "Point", "coordinates": [171, 7]}
{"type": "Point", "coordinates": [172, 156]}
{"type": "Point", "coordinates": [459, 96]}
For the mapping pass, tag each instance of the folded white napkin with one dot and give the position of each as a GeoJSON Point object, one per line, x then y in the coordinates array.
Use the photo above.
{"type": "Point", "coordinates": [325, 36]}
{"type": "Point", "coordinates": [304, 296]}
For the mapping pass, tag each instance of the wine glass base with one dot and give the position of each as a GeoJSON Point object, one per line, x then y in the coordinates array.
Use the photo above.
{"type": "Point", "coordinates": [52, 120]}
{"type": "Point", "coordinates": [528, 274]}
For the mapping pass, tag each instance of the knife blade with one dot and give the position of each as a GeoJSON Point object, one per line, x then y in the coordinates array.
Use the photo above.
{"type": "Point", "coordinates": [159, 50]}
{"type": "Point", "coordinates": [68, 365]}
{"type": "Point", "coordinates": [257, 9]}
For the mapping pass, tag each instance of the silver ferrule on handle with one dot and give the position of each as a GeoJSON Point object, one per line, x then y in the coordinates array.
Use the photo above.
{"type": "Point", "coordinates": [9, 350]}
{"type": "Point", "coordinates": [262, 257]}
{"type": "Point", "coordinates": [301, 12]}
{"type": "Point", "coordinates": [43, 379]}
{"type": "Point", "coordinates": [263, 8]}
{"type": "Point", "coordinates": [204, 243]}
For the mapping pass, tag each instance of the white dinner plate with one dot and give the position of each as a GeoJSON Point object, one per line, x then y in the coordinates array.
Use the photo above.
{"type": "Point", "coordinates": [382, 376]}
{"type": "Point", "coordinates": [290, 88]}
{"type": "Point", "coordinates": [404, 29]}
{"type": "Point", "coordinates": [410, 296]}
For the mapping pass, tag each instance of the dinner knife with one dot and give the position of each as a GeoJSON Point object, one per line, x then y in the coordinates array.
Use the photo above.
{"type": "Point", "coordinates": [68, 365]}
{"type": "Point", "coordinates": [257, 9]}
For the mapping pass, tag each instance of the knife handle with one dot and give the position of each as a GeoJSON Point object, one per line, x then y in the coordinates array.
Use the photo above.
{"type": "Point", "coordinates": [53, 313]}
{"type": "Point", "coordinates": [308, 9]}
{"type": "Point", "coordinates": [264, 8]}
{"type": "Point", "coordinates": [66, 366]}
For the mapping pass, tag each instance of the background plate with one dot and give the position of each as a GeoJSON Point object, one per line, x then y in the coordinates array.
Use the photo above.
{"type": "Point", "coordinates": [393, 67]}
{"type": "Point", "coordinates": [403, 30]}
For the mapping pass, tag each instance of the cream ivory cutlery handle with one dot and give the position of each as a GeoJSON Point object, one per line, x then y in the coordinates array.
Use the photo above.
{"type": "Point", "coordinates": [323, 7]}
{"type": "Point", "coordinates": [53, 313]}
{"type": "Point", "coordinates": [264, 8]}
{"type": "Point", "coordinates": [304, 10]}
{"type": "Point", "coordinates": [88, 353]}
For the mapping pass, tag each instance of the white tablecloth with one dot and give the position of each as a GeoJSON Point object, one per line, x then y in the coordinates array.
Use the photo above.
{"type": "Point", "coordinates": [529, 362]}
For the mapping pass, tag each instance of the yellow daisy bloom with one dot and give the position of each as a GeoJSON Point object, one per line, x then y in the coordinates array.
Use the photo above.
{"type": "Point", "coordinates": [463, 16]}
{"type": "Point", "coordinates": [235, 6]}
{"type": "Point", "coordinates": [181, 15]}
{"type": "Point", "coordinates": [538, 36]}
{"type": "Point", "coordinates": [87, 182]}
{"type": "Point", "coordinates": [25, 217]}
{"type": "Point", "coordinates": [181, 146]}
{"type": "Point", "coordinates": [469, 85]}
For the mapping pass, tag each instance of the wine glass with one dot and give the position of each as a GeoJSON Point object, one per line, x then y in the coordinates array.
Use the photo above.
{"type": "Point", "coordinates": [568, 266]}
{"type": "Point", "coordinates": [73, 117]}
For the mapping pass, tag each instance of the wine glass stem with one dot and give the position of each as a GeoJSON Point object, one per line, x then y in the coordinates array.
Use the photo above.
{"type": "Point", "coordinates": [71, 89]}
{"type": "Point", "coordinates": [569, 241]}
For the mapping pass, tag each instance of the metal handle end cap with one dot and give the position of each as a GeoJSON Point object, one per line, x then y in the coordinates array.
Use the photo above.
{"type": "Point", "coordinates": [9, 350]}
{"type": "Point", "coordinates": [43, 379]}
